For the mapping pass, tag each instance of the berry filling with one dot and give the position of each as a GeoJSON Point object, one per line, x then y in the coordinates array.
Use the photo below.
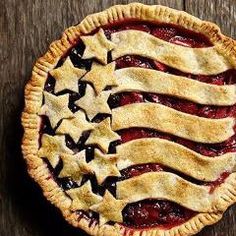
{"type": "Point", "coordinates": [167, 32]}
{"type": "Point", "coordinates": [150, 212]}
{"type": "Point", "coordinates": [140, 169]}
{"type": "Point", "coordinates": [155, 213]}
{"type": "Point", "coordinates": [218, 182]}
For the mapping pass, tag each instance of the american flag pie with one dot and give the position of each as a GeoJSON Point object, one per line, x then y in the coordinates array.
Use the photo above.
{"type": "Point", "coordinates": [129, 123]}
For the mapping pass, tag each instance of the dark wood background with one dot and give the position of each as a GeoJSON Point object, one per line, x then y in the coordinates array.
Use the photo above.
{"type": "Point", "coordinates": [26, 29]}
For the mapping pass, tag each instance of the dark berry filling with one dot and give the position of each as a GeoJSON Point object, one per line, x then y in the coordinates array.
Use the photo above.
{"type": "Point", "coordinates": [133, 61]}
{"type": "Point", "coordinates": [46, 127]}
{"type": "Point", "coordinates": [50, 84]}
{"type": "Point", "coordinates": [167, 32]}
{"type": "Point", "coordinates": [219, 181]}
{"type": "Point", "coordinates": [76, 57]}
{"type": "Point", "coordinates": [150, 212]}
{"type": "Point", "coordinates": [140, 169]}
{"type": "Point", "coordinates": [155, 213]}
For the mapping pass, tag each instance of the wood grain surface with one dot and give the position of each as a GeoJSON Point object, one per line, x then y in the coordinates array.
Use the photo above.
{"type": "Point", "coordinates": [26, 29]}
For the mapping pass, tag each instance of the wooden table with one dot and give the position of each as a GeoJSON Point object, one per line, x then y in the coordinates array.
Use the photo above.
{"type": "Point", "coordinates": [26, 29]}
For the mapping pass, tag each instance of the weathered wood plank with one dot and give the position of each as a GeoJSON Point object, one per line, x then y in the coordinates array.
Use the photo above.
{"type": "Point", "coordinates": [220, 12]}
{"type": "Point", "coordinates": [223, 14]}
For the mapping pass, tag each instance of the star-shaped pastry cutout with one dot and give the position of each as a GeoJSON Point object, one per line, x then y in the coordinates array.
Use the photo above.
{"type": "Point", "coordinates": [102, 135]}
{"type": "Point", "coordinates": [109, 209]}
{"type": "Point", "coordinates": [83, 197]}
{"type": "Point", "coordinates": [67, 76]}
{"type": "Point", "coordinates": [101, 76]}
{"type": "Point", "coordinates": [74, 166]}
{"type": "Point", "coordinates": [97, 46]}
{"type": "Point", "coordinates": [75, 126]}
{"type": "Point", "coordinates": [52, 147]}
{"type": "Point", "coordinates": [104, 166]}
{"type": "Point", "coordinates": [92, 104]}
{"type": "Point", "coordinates": [56, 108]}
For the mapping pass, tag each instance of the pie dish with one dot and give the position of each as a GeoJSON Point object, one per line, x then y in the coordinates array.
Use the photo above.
{"type": "Point", "coordinates": [129, 122]}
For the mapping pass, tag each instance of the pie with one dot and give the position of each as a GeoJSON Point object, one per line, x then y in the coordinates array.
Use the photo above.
{"type": "Point", "coordinates": [129, 123]}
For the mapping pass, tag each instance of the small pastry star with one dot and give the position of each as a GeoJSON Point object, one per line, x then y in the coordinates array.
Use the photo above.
{"type": "Point", "coordinates": [109, 209]}
{"type": "Point", "coordinates": [83, 197]}
{"type": "Point", "coordinates": [93, 104]}
{"type": "Point", "coordinates": [102, 135]}
{"type": "Point", "coordinates": [75, 126]}
{"type": "Point", "coordinates": [97, 46]}
{"type": "Point", "coordinates": [52, 147]}
{"type": "Point", "coordinates": [103, 166]}
{"type": "Point", "coordinates": [101, 76]}
{"type": "Point", "coordinates": [67, 76]}
{"type": "Point", "coordinates": [56, 108]}
{"type": "Point", "coordinates": [74, 166]}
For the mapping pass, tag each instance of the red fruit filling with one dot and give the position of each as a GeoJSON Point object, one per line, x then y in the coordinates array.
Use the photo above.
{"type": "Point", "coordinates": [186, 42]}
{"type": "Point", "coordinates": [140, 169]}
{"type": "Point", "coordinates": [151, 212]}
{"type": "Point", "coordinates": [130, 98]}
{"type": "Point", "coordinates": [132, 61]}
{"type": "Point", "coordinates": [155, 213]}
{"type": "Point", "coordinates": [219, 181]}
{"type": "Point", "coordinates": [167, 32]}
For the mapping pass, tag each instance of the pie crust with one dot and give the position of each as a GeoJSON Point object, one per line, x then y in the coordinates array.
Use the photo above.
{"type": "Point", "coordinates": [150, 115]}
{"type": "Point", "coordinates": [179, 158]}
{"type": "Point", "coordinates": [144, 44]}
{"type": "Point", "coordinates": [153, 81]}
{"type": "Point", "coordinates": [212, 210]}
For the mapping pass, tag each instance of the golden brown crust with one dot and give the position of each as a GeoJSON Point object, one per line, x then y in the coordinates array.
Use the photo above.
{"type": "Point", "coordinates": [169, 186]}
{"type": "Point", "coordinates": [180, 158]}
{"type": "Point", "coordinates": [165, 119]}
{"type": "Point", "coordinates": [93, 104]}
{"type": "Point", "coordinates": [154, 81]}
{"type": "Point", "coordinates": [204, 61]}
{"type": "Point", "coordinates": [33, 101]}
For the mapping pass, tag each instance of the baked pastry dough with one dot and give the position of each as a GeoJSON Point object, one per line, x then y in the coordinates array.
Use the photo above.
{"type": "Point", "coordinates": [93, 104]}
{"type": "Point", "coordinates": [52, 147]}
{"type": "Point", "coordinates": [102, 135]}
{"type": "Point", "coordinates": [165, 119]}
{"type": "Point", "coordinates": [101, 76]}
{"type": "Point", "coordinates": [153, 81]}
{"type": "Point", "coordinates": [109, 209]}
{"type": "Point", "coordinates": [55, 107]}
{"type": "Point", "coordinates": [164, 185]}
{"type": "Point", "coordinates": [206, 61]}
{"type": "Point", "coordinates": [75, 126]}
{"type": "Point", "coordinates": [103, 166]}
{"type": "Point", "coordinates": [97, 46]}
{"type": "Point", "coordinates": [176, 156]}
{"type": "Point", "coordinates": [83, 197]}
{"type": "Point", "coordinates": [67, 76]}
